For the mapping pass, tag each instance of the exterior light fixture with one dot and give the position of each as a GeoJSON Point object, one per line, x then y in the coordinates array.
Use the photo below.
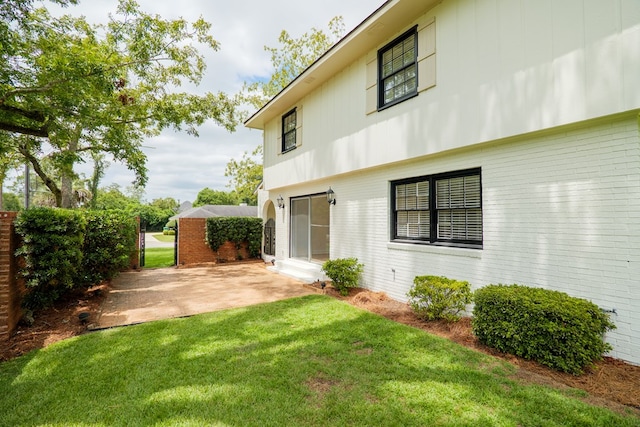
{"type": "Point", "coordinates": [280, 201]}
{"type": "Point", "coordinates": [331, 196]}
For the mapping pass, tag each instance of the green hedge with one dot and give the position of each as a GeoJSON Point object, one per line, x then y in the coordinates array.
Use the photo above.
{"type": "Point", "coordinates": [551, 327]}
{"type": "Point", "coordinates": [237, 230]}
{"type": "Point", "coordinates": [109, 242]}
{"type": "Point", "coordinates": [65, 249]}
{"type": "Point", "coordinates": [52, 241]}
{"type": "Point", "coordinates": [434, 297]}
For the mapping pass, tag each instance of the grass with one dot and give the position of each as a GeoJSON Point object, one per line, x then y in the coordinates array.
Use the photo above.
{"type": "Point", "coordinates": [164, 237]}
{"type": "Point", "coordinates": [310, 361]}
{"type": "Point", "coordinates": [158, 257]}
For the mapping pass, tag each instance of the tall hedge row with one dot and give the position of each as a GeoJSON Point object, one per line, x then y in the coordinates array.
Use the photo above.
{"type": "Point", "coordinates": [52, 242]}
{"type": "Point", "coordinates": [64, 249]}
{"type": "Point", "coordinates": [236, 230]}
{"type": "Point", "coordinates": [109, 241]}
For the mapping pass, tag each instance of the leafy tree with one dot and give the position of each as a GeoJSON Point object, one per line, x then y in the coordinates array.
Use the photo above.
{"type": "Point", "coordinates": [246, 175]}
{"type": "Point", "coordinates": [152, 217]}
{"type": "Point", "coordinates": [8, 160]}
{"type": "Point", "coordinates": [290, 59]}
{"type": "Point", "coordinates": [112, 197]}
{"type": "Point", "coordinates": [84, 89]}
{"type": "Point", "coordinates": [168, 203]}
{"type": "Point", "coordinates": [11, 202]}
{"type": "Point", "coordinates": [207, 196]}
{"type": "Point", "coordinates": [99, 166]}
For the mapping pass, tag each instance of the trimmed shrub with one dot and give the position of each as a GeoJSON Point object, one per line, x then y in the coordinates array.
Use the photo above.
{"type": "Point", "coordinates": [344, 273]}
{"type": "Point", "coordinates": [237, 230]}
{"type": "Point", "coordinates": [52, 241]}
{"type": "Point", "coordinates": [434, 297]}
{"type": "Point", "coordinates": [550, 327]}
{"type": "Point", "coordinates": [109, 241]}
{"type": "Point", "coordinates": [64, 249]}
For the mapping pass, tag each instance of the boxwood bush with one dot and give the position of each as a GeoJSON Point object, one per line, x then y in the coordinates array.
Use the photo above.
{"type": "Point", "coordinates": [434, 297]}
{"type": "Point", "coordinates": [550, 327]}
{"type": "Point", "coordinates": [344, 273]}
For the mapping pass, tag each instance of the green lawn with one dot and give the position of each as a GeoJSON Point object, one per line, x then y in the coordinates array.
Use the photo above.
{"type": "Point", "coordinates": [311, 361]}
{"type": "Point", "coordinates": [158, 257]}
{"type": "Point", "coordinates": [164, 237]}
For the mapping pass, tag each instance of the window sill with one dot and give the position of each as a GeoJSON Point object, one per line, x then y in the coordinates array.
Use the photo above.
{"type": "Point", "coordinates": [439, 249]}
{"type": "Point", "coordinates": [288, 150]}
{"type": "Point", "coordinates": [397, 101]}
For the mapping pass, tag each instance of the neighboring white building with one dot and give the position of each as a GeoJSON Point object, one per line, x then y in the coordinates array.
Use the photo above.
{"type": "Point", "coordinates": [493, 142]}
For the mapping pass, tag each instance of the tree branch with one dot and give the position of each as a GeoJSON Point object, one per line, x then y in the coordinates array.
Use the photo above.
{"type": "Point", "coordinates": [33, 115]}
{"type": "Point", "coordinates": [42, 132]}
{"type": "Point", "coordinates": [51, 185]}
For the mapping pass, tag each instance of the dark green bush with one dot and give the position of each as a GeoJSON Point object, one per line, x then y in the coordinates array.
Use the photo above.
{"type": "Point", "coordinates": [550, 327]}
{"type": "Point", "coordinates": [52, 241]}
{"type": "Point", "coordinates": [344, 273]}
{"type": "Point", "coordinates": [237, 230]}
{"type": "Point", "coordinates": [109, 241]}
{"type": "Point", "coordinates": [434, 297]}
{"type": "Point", "coordinates": [64, 249]}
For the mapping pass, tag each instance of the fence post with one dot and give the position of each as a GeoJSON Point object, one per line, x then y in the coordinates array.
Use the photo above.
{"type": "Point", "coordinates": [10, 291]}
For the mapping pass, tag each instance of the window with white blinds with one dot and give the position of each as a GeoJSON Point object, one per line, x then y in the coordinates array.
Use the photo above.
{"type": "Point", "coordinates": [445, 208]}
{"type": "Point", "coordinates": [412, 210]}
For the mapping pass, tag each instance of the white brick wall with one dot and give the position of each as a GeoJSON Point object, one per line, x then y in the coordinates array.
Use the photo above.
{"type": "Point", "coordinates": [561, 210]}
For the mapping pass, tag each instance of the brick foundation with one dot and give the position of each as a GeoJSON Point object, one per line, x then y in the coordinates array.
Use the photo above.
{"type": "Point", "coordinates": [10, 288]}
{"type": "Point", "coordinates": [192, 248]}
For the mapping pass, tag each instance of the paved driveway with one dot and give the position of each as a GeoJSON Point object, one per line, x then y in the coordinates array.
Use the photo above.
{"type": "Point", "coordinates": [153, 294]}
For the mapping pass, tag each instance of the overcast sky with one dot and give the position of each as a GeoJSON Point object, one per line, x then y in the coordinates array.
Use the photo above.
{"type": "Point", "coordinates": [180, 165]}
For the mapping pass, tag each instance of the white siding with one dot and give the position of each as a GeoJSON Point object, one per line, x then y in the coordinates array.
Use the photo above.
{"type": "Point", "coordinates": [504, 68]}
{"type": "Point", "coordinates": [560, 211]}
{"type": "Point", "coordinates": [544, 96]}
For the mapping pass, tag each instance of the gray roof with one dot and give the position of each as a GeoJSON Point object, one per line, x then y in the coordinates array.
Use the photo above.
{"type": "Point", "coordinates": [208, 211]}
{"type": "Point", "coordinates": [184, 206]}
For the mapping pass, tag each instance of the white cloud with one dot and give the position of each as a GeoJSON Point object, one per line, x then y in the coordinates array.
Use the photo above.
{"type": "Point", "coordinates": [180, 165]}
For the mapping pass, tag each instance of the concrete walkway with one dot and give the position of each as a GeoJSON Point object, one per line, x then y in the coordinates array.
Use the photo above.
{"type": "Point", "coordinates": [151, 242]}
{"type": "Point", "coordinates": [154, 294]}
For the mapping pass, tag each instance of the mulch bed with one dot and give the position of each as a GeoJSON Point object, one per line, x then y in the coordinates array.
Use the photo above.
{"type": "Point", "coordinates": [59, 322]}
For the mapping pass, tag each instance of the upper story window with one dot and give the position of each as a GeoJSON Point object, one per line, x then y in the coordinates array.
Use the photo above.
{"type": "Point", "coordinates": [444, 209]}
{"type": "Point", "coordinates": [398, 73]}
{"type": "Point", "coordinates": [289, 122]}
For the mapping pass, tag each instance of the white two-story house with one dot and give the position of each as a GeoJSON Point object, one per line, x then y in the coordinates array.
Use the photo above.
{"type": "Point", "coordinates": [483, 140]}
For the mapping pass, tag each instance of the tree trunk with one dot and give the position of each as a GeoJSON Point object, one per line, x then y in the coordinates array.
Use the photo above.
{"type": "Point", "coordinates": [66, 172]}
{"type": "Point", "coordinates": [66, 188]}
{"type": "Point", "coordinates": [51, 185]}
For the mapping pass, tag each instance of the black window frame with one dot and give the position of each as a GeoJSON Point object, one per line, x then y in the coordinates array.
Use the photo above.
{"type": "Point", "coordinates": [289, 132]}
{"type": "Point", "coordinates": [433, 211]}
{"type": "Point", "coordinates": [412, 33]}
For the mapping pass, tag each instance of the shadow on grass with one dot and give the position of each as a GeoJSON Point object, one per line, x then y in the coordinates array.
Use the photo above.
{"type": "Point", "coordinates": [303, 361]}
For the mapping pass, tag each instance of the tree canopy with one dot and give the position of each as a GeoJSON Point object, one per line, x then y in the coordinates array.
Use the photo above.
{"type": "Point", "coordinates": [289, 60]}
{"type": "Point", "coordinates": [69, 88]}
{"type": "Point", "coordinates": [207, 196]}
{"type": "Point", "coordinates": [245, 175]}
